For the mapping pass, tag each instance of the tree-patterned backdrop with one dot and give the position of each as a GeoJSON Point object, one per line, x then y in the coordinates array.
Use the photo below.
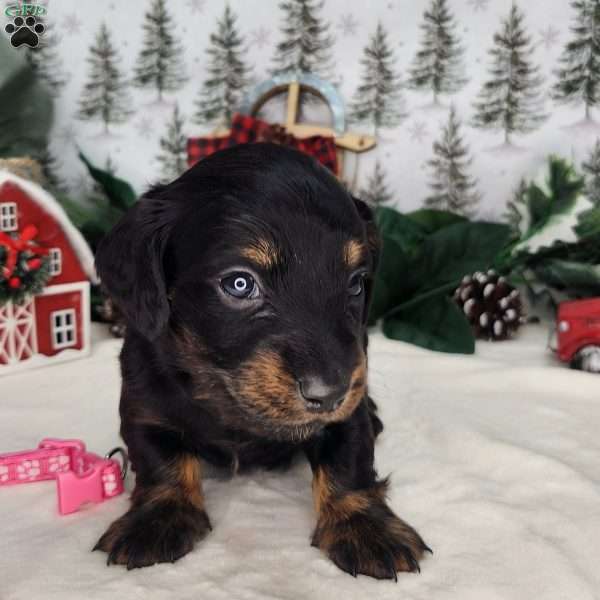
{"type": "Point", "coordinates": [465, 97]}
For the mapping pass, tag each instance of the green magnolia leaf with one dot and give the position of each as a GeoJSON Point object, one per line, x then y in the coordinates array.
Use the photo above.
{"type": "Point", "coordinates": [431, 220]}
{"type": "Point", "coordinates": [436, 324]}
{"type": "Point", "coordinates": [559, 230]}
{"type": "Point", "coordinates": [581, 279]}
{"type": "Point", "coordinates": [120, 194]}
{"type": "Point", "coordinates": [78, 213]}
{"type": "Point", "coordinates": [415, 266]}
{"type": "Point", "coordinates": [405, 232]}
{"type": "Point", "coordinates": [589, 223]}
{"type": "Point", "coordinates": [564, 184]}
{"type": "Point", "coordinates": [460, 249]}
{"type": "Point", "coordinates": [395, 281]}
{"type": "Point", "coordinates": [552, 196]}
{"type": "Point", "coordinates": [540, 206]}
{"type": "Point", "coordinates": [94, 216]}
{"type": "Point", "coordinates": [402, 239]}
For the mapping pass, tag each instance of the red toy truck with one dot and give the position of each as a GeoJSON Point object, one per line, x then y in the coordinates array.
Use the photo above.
{"type": "Point", "coordinates": [578, 334]}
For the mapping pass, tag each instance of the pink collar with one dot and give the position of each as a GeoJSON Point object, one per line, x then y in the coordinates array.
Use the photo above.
{"type": "Point", "coordinates": [81, 476]}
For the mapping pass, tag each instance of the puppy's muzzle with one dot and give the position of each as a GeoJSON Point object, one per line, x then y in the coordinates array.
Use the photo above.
{"type": "Point", "coordinates": [321, 397]}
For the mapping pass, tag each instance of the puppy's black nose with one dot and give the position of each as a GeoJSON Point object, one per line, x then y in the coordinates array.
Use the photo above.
{"type": "Point", "coordinates": [321, 397]}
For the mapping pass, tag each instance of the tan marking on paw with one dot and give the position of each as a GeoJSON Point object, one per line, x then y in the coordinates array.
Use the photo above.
{"type": "Point", "coordinates": [182, 484]}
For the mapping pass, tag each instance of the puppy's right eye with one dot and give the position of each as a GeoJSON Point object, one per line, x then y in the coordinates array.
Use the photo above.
{"type": "Point", "coordinates": [240, 285]}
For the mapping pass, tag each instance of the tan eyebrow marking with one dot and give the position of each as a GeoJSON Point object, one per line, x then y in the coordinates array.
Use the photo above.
{"type": "Point", "coordinates": [262, 253]}
{"type": "Point", "coordinates": [354, 251]}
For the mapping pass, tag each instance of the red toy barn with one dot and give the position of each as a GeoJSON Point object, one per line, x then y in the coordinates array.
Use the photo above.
{"type": "Point", "coordinates": [55, 324]}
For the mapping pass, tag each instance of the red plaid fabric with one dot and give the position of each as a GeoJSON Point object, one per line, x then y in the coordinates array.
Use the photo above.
{"type": "Point", "coordinates": [248, 130]}
{"type": "Point", "coordinates": [322, 148]}
{"type": "Point", "coordinates": [201, 147]}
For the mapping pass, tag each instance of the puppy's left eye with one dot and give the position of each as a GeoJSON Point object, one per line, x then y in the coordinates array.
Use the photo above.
{"type": "Point", "coordinates": [240, 285]}
{"type": "Point", "coordinates": [356, 284]}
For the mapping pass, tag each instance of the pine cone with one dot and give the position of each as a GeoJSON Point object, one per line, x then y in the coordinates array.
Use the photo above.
{"type": "Point", "coordinates": [492, 306]}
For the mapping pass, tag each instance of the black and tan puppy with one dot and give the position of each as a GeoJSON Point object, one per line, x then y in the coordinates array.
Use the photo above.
{"type": "Point", "coordinates": [245, 284]}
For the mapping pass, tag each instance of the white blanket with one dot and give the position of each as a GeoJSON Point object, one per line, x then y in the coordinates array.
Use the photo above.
{"type": "Point", "coordinates": [495, 459]}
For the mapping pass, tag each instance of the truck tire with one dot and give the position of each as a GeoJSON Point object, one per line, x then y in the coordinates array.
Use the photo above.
{"type": "Point", "coordinates": [587, 359]}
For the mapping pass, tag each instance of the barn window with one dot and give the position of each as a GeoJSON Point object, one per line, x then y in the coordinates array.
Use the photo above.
{"type": "Point", "coordinates": [55, 261]}
{"type": "Point", "coordinates": [62, 325]}
{"type": "Point", "coordinates": [8, 216]}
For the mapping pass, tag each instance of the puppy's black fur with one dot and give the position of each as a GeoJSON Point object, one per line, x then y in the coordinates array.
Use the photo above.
{"type": "Point", "coordinates": [245, 284]}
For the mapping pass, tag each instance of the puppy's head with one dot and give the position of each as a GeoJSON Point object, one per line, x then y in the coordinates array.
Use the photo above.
{"type": "Point", "coordinates": [255, 268]}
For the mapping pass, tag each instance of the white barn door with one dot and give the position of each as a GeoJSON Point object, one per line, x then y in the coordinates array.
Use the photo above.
{"type": "Point", "coordinates": [17, 332]}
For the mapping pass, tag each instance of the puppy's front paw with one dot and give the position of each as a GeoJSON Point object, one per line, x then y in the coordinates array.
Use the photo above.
{"type": "Point", "coordinates": [373, 542]}
{"type": "Point", "coordinates": [146, 535]}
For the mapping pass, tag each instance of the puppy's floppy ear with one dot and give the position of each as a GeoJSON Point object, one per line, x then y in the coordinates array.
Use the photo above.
{"type": "Point", "coordinates": [374, 244]}
{"type": "Point", "coordinates": [129, 261]}
{"type": "Point", "coordinates": [373, 238]}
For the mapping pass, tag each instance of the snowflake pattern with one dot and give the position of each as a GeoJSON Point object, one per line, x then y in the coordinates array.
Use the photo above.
{"type": "Point", "coordinates": [418, 131]}
{"type": "Point", "coordinates": [260, 37]}
{"type": "Point", "coordinates": [71, 24]}
{"type": "Point", "coordinates": [144, 128]}
{"type": "Point", "coordinates": [549, 37]}
{"type": "Point", "coordinates": [478, 5]}
{"type": "Point", "coordinates": [196, 6]}
{"type": "Point", "coordinates": [347, 25]}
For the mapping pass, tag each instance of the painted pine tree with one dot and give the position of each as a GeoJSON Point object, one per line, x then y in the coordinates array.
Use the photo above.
{"type": "Point", "coordinates": [437, 66]}
{"type": "Point", "coordinates": [378, 99]}
{"type": "Point", "coordinates": [579, 75]}
{"type": "Point", "coordinates": [228, 74]}
{"type": "Point", "coordinates": [453, 189]}
{"type": "Point", "coordinates": [516, 208]}
{"type": "Point", "coordinates": [50, 167]}
{"type": "Point", "coordinates": [376, 191]}
{"type": "Point", "coordinates": [160, 62]}
{"type": "Point", "coordinates": [173, 156]}
{"type": "Point", "coordinates": [104, 96]}
{"type": "Point", "coordinates": [591, 168]}
{"type": "Point", "coordinates": [511, 99]}
{"type": "Point", "coordinates": [307, 42]}
{"type": "Point", "coordinates": [47, 64]}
